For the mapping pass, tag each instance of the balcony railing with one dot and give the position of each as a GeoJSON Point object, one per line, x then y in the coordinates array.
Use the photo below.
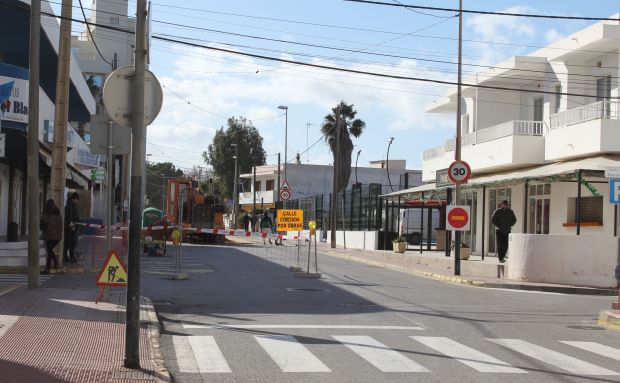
{"type": "Point", "coordinates": [609, 110]}
{"type": "Point", "coordinates": [510, 128]}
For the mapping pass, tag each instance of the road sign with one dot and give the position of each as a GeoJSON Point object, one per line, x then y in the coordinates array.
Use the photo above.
{"type": "Point", "coordinates": [612, 172]}
{"type": "Point", "coordinates": [121, 136]}
{"type": "Point", "coordinates": [290, 220]}
{"type": "Point", "coordinates": [117, 96]}
{"type": "Point", "coordinates": [459, 172]}
{"type": "Point", "coordinates": [113, 272]}
{"type": "Point", "coordinates": [285, 186]}
{"type": "Point", "coordinates": [614, 190]}
{"type": "Point", "coordinates": [285, 195]}
{"type": "Point", "coordinates": [457, 218]}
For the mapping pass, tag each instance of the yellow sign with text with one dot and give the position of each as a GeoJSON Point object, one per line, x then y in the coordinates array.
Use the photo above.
{"type": "Point", "coordinates": [290, 220]}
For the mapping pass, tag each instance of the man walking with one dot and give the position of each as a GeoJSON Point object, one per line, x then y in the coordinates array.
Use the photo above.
{"type": "Point", "coordinates": [71, 231]}
{"type": "Point", "coordinates": [504, 219]}
{"type": "Point", "coordinates": [265, 226]}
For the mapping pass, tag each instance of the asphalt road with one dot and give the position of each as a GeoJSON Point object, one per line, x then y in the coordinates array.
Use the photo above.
{"type": "Point", "coordinates": [242, 316]}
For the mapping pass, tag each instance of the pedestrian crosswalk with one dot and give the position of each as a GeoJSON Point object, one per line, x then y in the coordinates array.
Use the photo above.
{"type": "Point", "coordinates": [202, 354]}
{"type": "Point", "coordinates": [22, 279]}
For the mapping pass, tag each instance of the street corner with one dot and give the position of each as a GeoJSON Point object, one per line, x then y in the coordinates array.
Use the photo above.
{"type": "Point", "coordinates": [609, 319]}
{"type": "Point", "coordinates": [151, 320]}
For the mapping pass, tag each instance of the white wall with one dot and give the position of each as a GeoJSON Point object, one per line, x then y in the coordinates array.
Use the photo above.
{"type": "Point", "coordinates": [364, 240]}
{"type": "Point", "coordinates": [563, 259]}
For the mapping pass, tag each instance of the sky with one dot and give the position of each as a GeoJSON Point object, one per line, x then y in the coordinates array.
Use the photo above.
{"type": "Point", "coordinates": [203, 88]}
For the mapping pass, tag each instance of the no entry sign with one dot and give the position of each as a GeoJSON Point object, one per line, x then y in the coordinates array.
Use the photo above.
{"type": "Point", "coordinates": [457, 218]}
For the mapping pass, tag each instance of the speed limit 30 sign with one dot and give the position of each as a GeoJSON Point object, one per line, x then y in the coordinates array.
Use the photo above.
{"type": "Point", "coordinates": [459, 172]}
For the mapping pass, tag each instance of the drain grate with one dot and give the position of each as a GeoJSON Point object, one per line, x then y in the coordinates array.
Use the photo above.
{"type": "Point", "coordinates": [308, 289]}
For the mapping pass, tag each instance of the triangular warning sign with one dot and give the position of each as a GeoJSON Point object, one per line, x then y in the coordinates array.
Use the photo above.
{"type": "Point", "coordinates": [285, 186]}
{"type": "Point", "coordinates": [113, 272]}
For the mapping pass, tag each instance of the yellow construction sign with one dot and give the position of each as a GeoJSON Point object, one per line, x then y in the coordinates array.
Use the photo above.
{"type": "Point", "coordinates": [290, 220]}
{"type": "Point", "coordinates": [113, 272]}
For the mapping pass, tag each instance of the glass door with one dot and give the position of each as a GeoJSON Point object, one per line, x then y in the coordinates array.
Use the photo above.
{"type": "Point", "coordinates": [496, 196]}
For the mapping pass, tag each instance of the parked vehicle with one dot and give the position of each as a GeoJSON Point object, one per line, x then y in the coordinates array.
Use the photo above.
{"type": "Point", "coordinates": [414, 225]}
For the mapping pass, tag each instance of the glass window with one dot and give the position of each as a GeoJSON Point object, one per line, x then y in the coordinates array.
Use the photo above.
{"type": "Point", "coordinates": [114, 20]}
{"type": "Point", "coordinates": [590, 210]}
{"type": "Point", "coordinates": [558, 97]}
{"type": "Point", "coordinates": [269, 185]}
{"type": "Point", "coordinates": [257, 185]}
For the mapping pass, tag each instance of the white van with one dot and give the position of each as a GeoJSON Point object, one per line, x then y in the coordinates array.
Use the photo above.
{"type": "Point", "coordinates": [411, 224]}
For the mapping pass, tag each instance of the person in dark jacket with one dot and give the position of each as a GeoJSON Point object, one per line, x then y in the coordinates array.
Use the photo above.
{"type": "Point", "coordinates": [246, 222]}
{"type": "Point", "coordinates": [265, 227]}
{"type": "Point", "coordinates": [504, 219]}
{"type": "Point", "coordinates": [71, 231]}
{"type": "Point", "coordinates": [50, 225]}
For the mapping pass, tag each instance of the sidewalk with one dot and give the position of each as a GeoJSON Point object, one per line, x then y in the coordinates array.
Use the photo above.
{"type": "Point", "coordinates": [61, 335]}
{"type": "Point", "coordinates": [434, 264]}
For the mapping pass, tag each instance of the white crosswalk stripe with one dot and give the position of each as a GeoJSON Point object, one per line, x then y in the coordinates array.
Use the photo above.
{"type": "Point", "coordinates": [596, 348]}
{"type": "Point", "coordinates": [554, 358]}
{"type": "Point", "coordinates": [289, 354]}
{"type": "Point", "coordinates": [207, 355]}
{"type": "Point", "coordinates": [22, 279]}
{"type": "Point", "coordinates": [378, 354]}
{"type": "Point", "coordinates": [475, 359]}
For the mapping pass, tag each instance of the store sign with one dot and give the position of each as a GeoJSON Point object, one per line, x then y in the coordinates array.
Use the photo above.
{"type": "Point", "coordinates": [86, 158]}
{"type": "Point", "coordinates": [441, 178]}
{"type": "Point", "coordinates": [48, 133]}
{"type": "Point", "coordinates": [13, 99]}
{"type": "Point", "coordinates": [97, 175]}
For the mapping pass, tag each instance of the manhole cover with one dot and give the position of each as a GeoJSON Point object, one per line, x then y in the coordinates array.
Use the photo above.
{"type": "Point", "coordinates": [585, 327]}
{"type": "Point", "coordinates": [307, 289]}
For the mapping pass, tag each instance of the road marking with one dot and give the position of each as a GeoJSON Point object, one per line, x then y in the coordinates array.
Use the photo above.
{"type": "Point", "coordinates": [185, 357]}
{"type": "Point", "coordinates": [475, 359]}
{"type": "Point", "coordinates": [596, 348]}
{"type": "Point", "coordinates": [378, 354]}
{"type": "Point", "coordinates": [289, 354]}
{"type": "Point", "coordinates": [554, 358]}
{"type": "Point", "coordinates": [6, 322]}
{"type": "Point", "coordinates": [208, 355]}
{"type": "Point", "coordinates": [301, 326]}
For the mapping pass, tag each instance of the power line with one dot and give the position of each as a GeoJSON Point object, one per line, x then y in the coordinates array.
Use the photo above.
{"type": "Point", "coordinates": [540, 16]}
{"type": "Point", "coordinates": [91, 36]}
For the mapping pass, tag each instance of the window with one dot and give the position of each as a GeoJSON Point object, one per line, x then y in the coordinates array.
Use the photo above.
{"type": "Point", "coordinates": [114, 20]}
{"type": "Point", "coordinates": [257, 185]}
{"type": "Point", "coordinates": [538, 108]}
{"type": "Point", "coordinates": [558, 98]}
{"type": "Point", "coordinates": [270, 184]}
{"type": "Point", "coordinates": [603, 88]}
{"type": "Point", "coordinates": [591, 210]}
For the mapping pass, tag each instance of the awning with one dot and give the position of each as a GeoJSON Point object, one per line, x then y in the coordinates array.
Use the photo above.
{"type": "Point", "coordinates": [592, 166]}
{"type": "Point", "coordinates": [75, 180]}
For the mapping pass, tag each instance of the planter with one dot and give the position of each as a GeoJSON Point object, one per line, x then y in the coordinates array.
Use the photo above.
{"type": "Point", "coordinates": [440, 236]}
{"type": "Point", "coordinates": [465, 253]}
{"type": "Point", "coordinates": [399, 247]}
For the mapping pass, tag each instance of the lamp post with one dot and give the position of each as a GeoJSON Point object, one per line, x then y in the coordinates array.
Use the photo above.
{"type": "Point", "coordinates": [163, 193]}
{"type": "Point", "coordinates": [285, 136]}
{"type": "Point", "coordinates": [235, 196]}
{"type": "Point", "coordinates": [387, 162]}
{"type": "Point", "coordinates": [357, 158]}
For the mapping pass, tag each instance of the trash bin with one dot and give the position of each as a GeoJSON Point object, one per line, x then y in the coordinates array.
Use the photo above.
{"type": "Point", "coordinates": [12, 232]}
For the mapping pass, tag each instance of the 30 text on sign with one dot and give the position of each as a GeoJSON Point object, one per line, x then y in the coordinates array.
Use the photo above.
{"type": "Point", "coordinates": [290, 220]}
{"type": "Point", "coordinates": [457, 218]}
{"type": "Point", "coordinates": [459, 172]}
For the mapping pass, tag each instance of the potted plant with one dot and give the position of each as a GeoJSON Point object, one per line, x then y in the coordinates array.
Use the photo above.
{"type": "Point", "coordinates": [465, 250]}
{"type": "Point", "coordinates": [399, 244]}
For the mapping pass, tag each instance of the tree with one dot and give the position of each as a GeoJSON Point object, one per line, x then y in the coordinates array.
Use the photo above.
{"type": "Point", "coordinates": [343, 115]}
{"type": "Point", "coordinates": [337, 129]}
{"type": "Point", "coordinates": [156, 181]}
{"type": "Point", "coordinates": [220, 154]}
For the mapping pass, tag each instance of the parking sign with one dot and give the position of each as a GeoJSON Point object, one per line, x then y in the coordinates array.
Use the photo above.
{"type": "Point", "coordinates": [614, 190]}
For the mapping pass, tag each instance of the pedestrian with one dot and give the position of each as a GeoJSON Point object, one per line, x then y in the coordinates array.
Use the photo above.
{"type": "Point", "coordinates": [266, 224]}
{"type": "Point", "coordinates": [72, 217]}
{"type": "Point", "coordinates": [50, 225]}
{"type": "Point", "coordinates": [253, 221]}
{"type": "Point", "coordinates": [504, 219]}
{"type": "Point", "coordinates": [246, 222]}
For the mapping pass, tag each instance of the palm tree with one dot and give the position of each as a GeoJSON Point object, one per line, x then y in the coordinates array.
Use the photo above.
{"type": "Point", "coordinates": [337, 129]}
{"type": "Point", "coordinates": [342, 116]}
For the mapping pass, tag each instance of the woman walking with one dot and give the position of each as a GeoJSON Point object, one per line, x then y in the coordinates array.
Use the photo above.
{"type": "Point", "coordinates": [51, 226]}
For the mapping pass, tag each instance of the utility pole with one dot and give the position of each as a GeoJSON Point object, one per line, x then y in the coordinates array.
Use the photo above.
{"type": "Point", "coordinates": [235, 194]}
{"type": "Point", "coordinates": [110, 199]}
{"type": "Point", "coordinates": [334, 209]}
{"type": "Point", "coordinates": [457, 151]}
{"type": "Point", "coordinates": [59, 147]}
{"type": "Point", "coordinates": [278, 186]}
{"type": "Point", "coordinates": [33, 145]}
{"type": "Point", "coordinates": [132, 327]}
{"type": "Point", "coordinates": [254, 190]}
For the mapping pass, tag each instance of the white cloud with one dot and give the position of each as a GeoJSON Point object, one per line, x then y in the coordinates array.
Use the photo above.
{"type": "Point", "coordinates": [552, 35]}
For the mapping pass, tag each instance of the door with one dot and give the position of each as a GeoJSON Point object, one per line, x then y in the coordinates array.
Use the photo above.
{"type": "Point", "coordinates": [470, 198]}
{"type": "Point", "coordinates": [603, 93]}
{"type": "Point", "coordinates": [496, 196]}
{"type": "Point", "coordinates": [538, 108]}
{"type": "Point", "coordinates": [539, 215]}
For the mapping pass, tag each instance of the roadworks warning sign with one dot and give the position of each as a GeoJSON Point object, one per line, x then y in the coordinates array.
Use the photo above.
{"type": "Point", "coordinates": [290, 220]}
{"type": "Point", "coordinates": [113, 272]}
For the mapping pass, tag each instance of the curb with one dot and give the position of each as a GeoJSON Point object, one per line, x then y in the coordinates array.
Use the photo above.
{"type": "Point", "coordinates": [464, 281]}
{"type": "Point", "coordinates": [8, 288]}
{"type": "Point", "coordinates": [609, 319]}
{"type": "Point", "coordinates": [24, 270]}
{"type": "Point", "coordinates": [152, 323]}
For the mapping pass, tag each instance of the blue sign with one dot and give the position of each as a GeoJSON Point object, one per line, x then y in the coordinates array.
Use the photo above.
{"type": "Point", "coordinates": [614, 190]}
{"type": "Point", "coordinates": [618, 272]}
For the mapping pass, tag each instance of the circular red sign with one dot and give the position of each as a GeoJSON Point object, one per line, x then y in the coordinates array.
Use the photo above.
{"type": "Point", "coordinates": [458, 218]}
{"type": "Point", "coordinates": [459, 172]}
{"type": "Point", "coordinates": [285, 195]}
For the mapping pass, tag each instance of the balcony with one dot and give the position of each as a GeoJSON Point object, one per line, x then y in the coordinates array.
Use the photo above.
{"type": "Point", "coordinates": [261, 196]}
{"type": "Point", "coordinates": [586, 130]}
{"type": "Point", "coordinates": [510, 144]}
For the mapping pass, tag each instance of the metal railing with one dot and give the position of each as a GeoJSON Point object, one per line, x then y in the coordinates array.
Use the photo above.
{"type": "Point", "coordinates": [603, 109]}
{"type": "Point", "coordinates": [437, 152]}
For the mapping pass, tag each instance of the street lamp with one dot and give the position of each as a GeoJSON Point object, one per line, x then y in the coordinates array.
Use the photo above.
{"type": "Point", "coordinates": [285, 136]}
{"type": "Point", "coordinates": [163, 193]}
{"type": "Point", "coordinates": [235, 196]}
{"type": "Point", "coordinates": [387, 162]}
{"type": "Point", "coordinates": [357, 158]}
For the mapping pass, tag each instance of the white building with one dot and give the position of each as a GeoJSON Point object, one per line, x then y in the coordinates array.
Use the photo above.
{"type": "Point", "coordinates": [307, 180]}
{"type": "Point", "coordinates": [539, 130]}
